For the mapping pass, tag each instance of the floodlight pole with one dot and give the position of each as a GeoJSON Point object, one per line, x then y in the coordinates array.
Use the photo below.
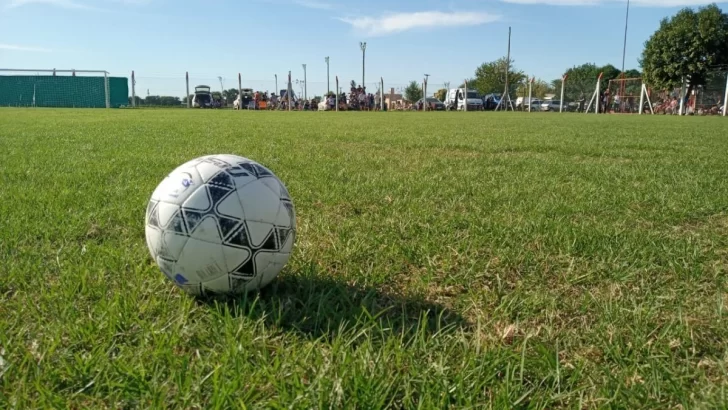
{"type": "Point", "coordinates": [276, 90]}
{"type": "Point", "coordinates": [328, 87]}
{"type": "Point", "coordinates": [530, 86]}
{"type": "Point", "coordinates": [337, 93]}
{"type": "Point", "coordinates": [240, 90]}
{"type": "Point", "coordinates": [288, 91]}
{"type": "Point", "coordinates": [682, 96]}
{"type": "Point", "coordinates": [624, 47]}
{"type": "Point", "coordinates": [305, 85]}
{"type": "Point", "coordinates": [597, 94]}
{"type": "Point", "coordinates": [187, 80]}
{"type": "Point", "coordinates": [465, 97]}
{"type": "Point", "coordinates": [561, 102]}
{"type": "Point", "coordinates": [133, 90]}
{"type": "Point", "coordinates": [381, 95]}
{"type": "Point", "coordinates": [363, 46]}
{"type": "Point", "coordinates": [725, 97]}
{"type": "Point", "coordinates": [508, 66]}
{"type": "Point", "coordinates": [424, 93]}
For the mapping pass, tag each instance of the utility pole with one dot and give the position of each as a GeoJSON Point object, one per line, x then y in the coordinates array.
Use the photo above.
{"type": "Point", "coordinates": [276, 90]}
{"type": "Point", "coordinates": [328, 88]}
{"type": "Point", "coordinates": [363, 46]}
{"type": "Point", "coordinates": [305, 86]}
{"type": "Point", "coordinates": [424, 93]}
{"type": "Point", "coordinates": [624, 52]}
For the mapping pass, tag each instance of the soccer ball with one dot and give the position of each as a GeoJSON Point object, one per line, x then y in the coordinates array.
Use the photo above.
{"type": "Point", "coordinates": [220, 224]}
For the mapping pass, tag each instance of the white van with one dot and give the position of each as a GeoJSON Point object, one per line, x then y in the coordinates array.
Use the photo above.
{"type": "Point", "coordinates": [475, 102]}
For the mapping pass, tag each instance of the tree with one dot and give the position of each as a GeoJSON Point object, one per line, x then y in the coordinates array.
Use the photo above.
{"type": "Point", "coordinates": [471, 83]}
{"type": "Point", "coordinates": [539, 89]}
{"type": "Point", "coordinates": [686, 46]}
{"type": "Point", "coordinates": [413, 92]}
{"type": "Point", "coordinates": [352, 84]}
{"type": "Point", "coordinates": [490, 77]}
{"type": "Point", "coordinates": [441, 94]}
{"type": "Point", "coordinates": [230, 95]}
{"type": "Point", "coordinates": [581, 80]}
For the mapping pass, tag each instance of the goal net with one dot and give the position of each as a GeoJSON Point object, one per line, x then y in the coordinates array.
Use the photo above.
{"type": "Point", "coordinates": [624, 95]}
{"type": "Point", "coordinates": [62, 88]}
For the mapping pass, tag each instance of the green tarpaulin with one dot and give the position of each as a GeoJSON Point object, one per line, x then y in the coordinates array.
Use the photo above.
{"type": "Point", "coordinates": [62, 91]}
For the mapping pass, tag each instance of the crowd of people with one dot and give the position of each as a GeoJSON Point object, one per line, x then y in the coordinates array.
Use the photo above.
{"type": "Point", "coordinates": [358, 99]}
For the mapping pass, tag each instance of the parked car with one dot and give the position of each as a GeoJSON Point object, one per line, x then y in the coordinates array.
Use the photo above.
{"type": "Point", "coordinates": [490, 101]}
{"type": "Point", "coordinates": [522, 103]}
{"type": "Point", "coordinates": [202, 97]}
{"type": "Point", "coordinates": [550, 105]}
{"type": "Point", "coordinates": [434, 104]}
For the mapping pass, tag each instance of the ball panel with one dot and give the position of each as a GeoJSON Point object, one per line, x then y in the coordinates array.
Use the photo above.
{"type": "Point", "coordinates": [178, 185]}
{"type": "Point", "coordinates": [258, 232]}
{"type": "Point", "coordinates": [206, 229]}
{"type": "Point", "coordinates": [172, 245]}
{"type": "Point", "coordinates": [235, 257]}
{"type": "Point", "coordinates": [288, 241]}
{"type": "Point", "coordinates": [259, 202]}
{"type": "Point", "coordinates": [198, 200]}
{"type": "Point", "coordinates": [272, 184]}
{"type": "Point", "coordinates": [219, 285]}
{"type": "Point", "coordinates": [270, 265]}
{"type": "Point", "coordinates": [154, 240]}
{"type": "Point", "coordinates": [201, 261]}
{"type": "Point", "coordinates": [283, 218]}
{"type": "Point", "coordinates": [230, 206]}
{"type": "Point", "coordinates": [208, 169]}
{"type": "Point", "coordinates": [165, 213]}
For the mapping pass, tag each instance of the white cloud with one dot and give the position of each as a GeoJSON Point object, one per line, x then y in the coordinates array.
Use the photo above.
{"type": "Point", "coordinates": [399, 22]}
{"type": "Point", "coordinates": [15, 47]}
{"type": "Point", "coordinates": [314, 4]}
{"type": "Point", "coordinates": [644, 3]}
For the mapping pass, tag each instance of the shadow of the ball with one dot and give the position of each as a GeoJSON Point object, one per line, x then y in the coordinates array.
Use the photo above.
{"type": "Point", "coordinates": [315, 305]}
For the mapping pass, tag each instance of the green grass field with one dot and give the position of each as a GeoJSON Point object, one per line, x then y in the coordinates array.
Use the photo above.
{"type": "Point", "coordinates": [444, 260]}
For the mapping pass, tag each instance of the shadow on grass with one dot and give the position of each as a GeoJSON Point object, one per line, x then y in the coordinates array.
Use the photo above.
{"type": "Point", "coordinates": [317, 306]}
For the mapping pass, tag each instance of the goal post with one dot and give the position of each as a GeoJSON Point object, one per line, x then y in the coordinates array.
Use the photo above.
{"type": "Point", "coordinates": [62, 88]}
{"type": "Point", "coordinates": [624, 94]}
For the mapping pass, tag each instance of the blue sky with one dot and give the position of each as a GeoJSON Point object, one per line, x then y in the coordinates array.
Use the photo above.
{"type": "Point", "coordinates": [162, 39]}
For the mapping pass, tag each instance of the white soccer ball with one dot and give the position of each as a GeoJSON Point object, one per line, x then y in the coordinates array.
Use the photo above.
{"type": "Point", "coordinates": [220, 224]}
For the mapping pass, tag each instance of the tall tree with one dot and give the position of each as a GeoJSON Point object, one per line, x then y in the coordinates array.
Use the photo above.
{"type": "Point", "coordinates": [471, 83]}
{"type": "Point", "coordinates": [413, 92]}
{"type": "Point", "coordinates": [441, 94]}
{"type": "Point", "coordinates": [490, 77]}
{"type": "Point", "coordinates": [539, 89]}
{"type": "Point", "coordinates": [230, 95]}
{"type": "Point", "coordinates": [581, 80]}
{"type": "Point", "coordinates": [686, 46]}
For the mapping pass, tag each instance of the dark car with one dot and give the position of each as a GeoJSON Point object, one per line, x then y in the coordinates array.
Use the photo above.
{"type": "Point", "coordinates": [434, 104]}
{"type": "Point", "coordinates": [491, 101]}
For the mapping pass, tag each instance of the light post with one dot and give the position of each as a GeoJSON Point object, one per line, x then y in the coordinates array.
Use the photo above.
{"type": "Point", "coordinates": [424, 93]}
{"type": "Point", "coordinates": [328, 88]}
{"type": "Point", "coordinates": [305, 87]}
{"type": "Point", "coordinates": [363, 46]}
{"type": "Point", "coordinates": [276, 90]}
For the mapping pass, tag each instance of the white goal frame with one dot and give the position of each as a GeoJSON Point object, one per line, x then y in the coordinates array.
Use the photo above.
{"type": "Point", "coordinates": [72, 72]}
